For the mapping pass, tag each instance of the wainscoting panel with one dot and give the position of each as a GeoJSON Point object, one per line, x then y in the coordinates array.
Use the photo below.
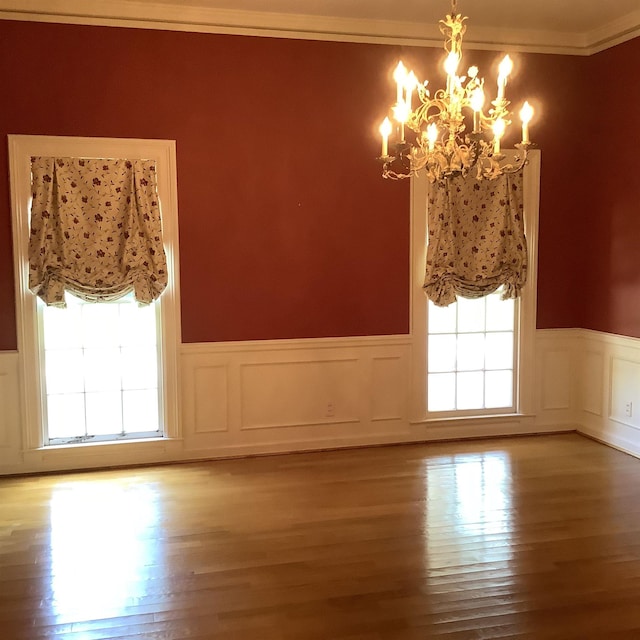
{"type": "Point", "coordinates": [390, 384]}
{"type": "Point", "coordinates": [210, 399]}
{"type": "Point", "coordinates": [608, 367]}
{"type": "Point", "coordinates": [300, 393]}
{"type": "Point", "coordinates": [285, 395]}
{"type": "Point", "coordinates": [556, 381]}
{"type": "Point", "coordinates": [624, 405]}
{"type": "Point", "coordinates": [592, 382]}
{"type": "Point", "coordinates": [10, 428]}
{"type": "Point", "coordinates": [556, 387]}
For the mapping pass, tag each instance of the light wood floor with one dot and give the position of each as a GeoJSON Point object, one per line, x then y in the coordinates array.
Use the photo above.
{"type": "Point", "coordinates": [524, 538]}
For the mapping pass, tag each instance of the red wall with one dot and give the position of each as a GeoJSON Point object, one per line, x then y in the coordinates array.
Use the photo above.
{"type": "Point", "coordinates": [286, 228]}
{"type": "Point", "coordinates": [611, 249]}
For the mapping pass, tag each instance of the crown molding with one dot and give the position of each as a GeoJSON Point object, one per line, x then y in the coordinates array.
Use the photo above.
{"type": "Point", "coordinates": [614, 33]}
{"type": "Point", "coordinates": [145, 15]}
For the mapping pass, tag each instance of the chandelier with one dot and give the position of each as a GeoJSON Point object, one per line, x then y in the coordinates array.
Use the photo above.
{"type": "Point", "coordinates": [450, 133]}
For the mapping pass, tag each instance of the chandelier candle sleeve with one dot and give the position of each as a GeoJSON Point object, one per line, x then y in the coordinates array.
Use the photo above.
{"type": "Point", "coordinates": [401, 113]}
{"type": "Point", "coordinates": [499, 127]}
{"type": "Point", "coordinates": [410, 84]}
{"type": "Point", "coordinates": [400, 76]}
{"type": "Point", "coordinates": [385, 132]}
{"type": "Point", "coordinates": [505, 68]}
{"type": "Point", "coordinates": [456, 130]}
{"type": "Point", "coordinates": [526, 113]}
{"type": "Point", "coordinates": [477, 102]}
{"type": "Point", "coordinates": [451, 67]}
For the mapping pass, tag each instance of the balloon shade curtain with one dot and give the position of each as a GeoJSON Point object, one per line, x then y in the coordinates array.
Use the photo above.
{"type": "Point", "coordinates": [476, 240]}
{"type": "Point", "coordinates": [95, 230]}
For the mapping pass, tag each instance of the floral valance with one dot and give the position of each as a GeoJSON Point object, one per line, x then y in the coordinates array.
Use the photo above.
{"type": "Point", "coordinates": [95, 230]}
{"type": "Point", "coordinates": [476, 240]}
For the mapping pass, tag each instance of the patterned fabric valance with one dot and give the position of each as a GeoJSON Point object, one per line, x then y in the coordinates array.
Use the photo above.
{"type": "Point", "coordinates": [95, 230]}
{"type": "Point", "coordinates": [476, 238]}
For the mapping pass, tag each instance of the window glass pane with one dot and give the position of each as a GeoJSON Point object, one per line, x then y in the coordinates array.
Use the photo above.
{"type": "Point", "coordinates": [498, 389]}
{"type": "Point", "coordinates": [115, 354]}
{"type": "Point", "coordinates": [470, 352]}
{"type": "Point", "coordinates": [65, 415]}
{"type": "Point", "coordinates": [442, 319]}
{"type": "Point", "coordinates": [442, 353]}
{"type": "Point", "coordinates": [64, 371]}
{"type": "Point", "coordinates": [500, 313]}
{"type": "Point", "coordinates": [100, 324]}
{"type": "Point", "coordinates": [104, 412]}
{"type": "Point", "coordinates": [484, 331]}
{"type": "Point", "coordinates": [140, 410]}
{"type": "Point", "coordinates": [499, 350]}
{"type": "Point", "coordinates": [62, 327]}
{"type": "Point", "coordinates": [442, 391]}
{"type": "Point", "coordinates": [140, 369]}
{"type": "Point", "coordinates": [102, 369]}
{"type": "Point", "coordinates": [470, 314]}
{"type": "Point", "coordinates": [137, 325]}
{"type": "Point", "coordinates": [470, 390]}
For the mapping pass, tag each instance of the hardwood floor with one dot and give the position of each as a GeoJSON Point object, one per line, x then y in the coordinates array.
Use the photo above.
{"type": "Point", "coordinates": [523, 538]}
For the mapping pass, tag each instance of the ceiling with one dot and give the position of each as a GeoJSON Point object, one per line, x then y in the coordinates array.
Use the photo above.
{"type": "Point", "coordinates": [557, 26]}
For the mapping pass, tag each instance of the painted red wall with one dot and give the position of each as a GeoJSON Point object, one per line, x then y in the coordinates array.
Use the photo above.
{"type": "Point", "coordinates": [286, 228]}
{"type": "Point", "coordinates": [611, 249]}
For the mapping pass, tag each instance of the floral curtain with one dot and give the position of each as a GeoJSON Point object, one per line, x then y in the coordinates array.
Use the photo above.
{"type": "Point", "coordinates": [95, 230]}
{"type": "Point", "coordinates": [476, 241]}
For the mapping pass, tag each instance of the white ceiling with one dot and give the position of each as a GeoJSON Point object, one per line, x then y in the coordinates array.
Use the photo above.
{"type": "Point", "coordinates": [561, 26]}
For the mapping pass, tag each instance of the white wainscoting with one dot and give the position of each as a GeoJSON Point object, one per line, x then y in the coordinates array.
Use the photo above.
{"type": "Point", "coordinates": [276, 396]}
{"type": "Point", "coordinates": [288, 395]}
{"type": "Point", "coordinates": [10, 426]}
{"type": "Point", "coordinates": [555, 380]}
{"type": "Point", "coordinates": [608, 398]}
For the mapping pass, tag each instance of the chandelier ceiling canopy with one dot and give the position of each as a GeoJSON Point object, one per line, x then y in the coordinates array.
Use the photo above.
{"type": "Point", "coordinates": [451, 132]}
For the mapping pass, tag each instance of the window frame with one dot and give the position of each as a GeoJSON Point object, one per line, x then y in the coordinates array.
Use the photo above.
{"type": "Point", "coordinates": [525, 326]}
{"type": "Point", "coordinates": [458, 413]}
{"type": "Point", "coordinates": [21, 148]}
{"type": "Point", "coordinates": [104, 438]}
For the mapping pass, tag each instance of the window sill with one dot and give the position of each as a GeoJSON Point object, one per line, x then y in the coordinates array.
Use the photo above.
{"type": "Point", "coordinates": [476, 419]}
{"type": "Point", "coordinates": [97, 455]}
{"type": "Point", "coordinates": [103, 443]}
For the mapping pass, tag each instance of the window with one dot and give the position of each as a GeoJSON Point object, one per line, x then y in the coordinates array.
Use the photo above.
{"type": "Point", "coordinates": [471, 355]}
{"type": "Point", "coordinates": [101, 370]}
{"type": "Point", "coordinates": [105, 371]}
{"type": "Point", "coordinates": [475, 357]}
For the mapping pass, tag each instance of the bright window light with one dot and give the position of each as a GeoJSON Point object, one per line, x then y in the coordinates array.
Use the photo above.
{"type": "Point", "coordinates": [471, 355]}
{"type": "Point", "coordinates": [101, 370]}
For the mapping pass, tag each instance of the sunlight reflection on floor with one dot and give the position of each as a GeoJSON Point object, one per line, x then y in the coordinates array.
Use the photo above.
{"type": "Point", "coordinates": [474, 497]}
{"type": "Point", "coordinates": [104, 544]}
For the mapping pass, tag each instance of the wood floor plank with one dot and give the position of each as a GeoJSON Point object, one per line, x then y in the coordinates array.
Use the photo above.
{"type": "Point", "coordinates": [526, 538]}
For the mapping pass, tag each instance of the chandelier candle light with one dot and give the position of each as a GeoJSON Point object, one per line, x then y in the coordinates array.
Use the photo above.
{"type": "Point", "coordinates": [441, 141]}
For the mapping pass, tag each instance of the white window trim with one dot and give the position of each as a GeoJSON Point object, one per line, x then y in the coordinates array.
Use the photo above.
{"type": "Point", "coordinates": [525, 331]}
{"type": "Point", "coordinates": [21, 148]}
